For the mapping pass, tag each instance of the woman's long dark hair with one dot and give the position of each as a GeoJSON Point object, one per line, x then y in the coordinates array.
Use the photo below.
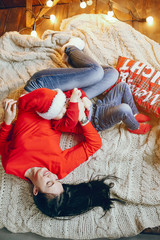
{"type": "Point", "coordinates": [76, 199]}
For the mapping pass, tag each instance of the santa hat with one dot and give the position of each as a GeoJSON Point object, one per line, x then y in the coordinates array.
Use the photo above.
{"type": "Point", "coordinates": [46, 102]}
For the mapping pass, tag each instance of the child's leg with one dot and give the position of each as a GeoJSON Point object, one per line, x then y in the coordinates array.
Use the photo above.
{"type": "Point", "coordinates": [109, 114]}
{"type": "Point", "coordinates": [109, 79]}
{"type": "Point", "coordinates": [121, 93]}
{"type": "Point", "coordinates": [112, 110]}
{"type": "Point", "coordinates": [127, 97]}
{"type": "Point", "coordinates": [86, 72]}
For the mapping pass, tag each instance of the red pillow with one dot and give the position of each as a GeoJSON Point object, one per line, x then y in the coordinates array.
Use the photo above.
{"type": "Point", "coordinates": [144, 82]}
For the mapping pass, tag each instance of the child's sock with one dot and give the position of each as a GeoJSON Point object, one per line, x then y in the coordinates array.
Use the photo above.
{"type": "Point", "coordinates": [141, 118]}
{"type": "Point", "coordinates": [74, 41]}
{"type": "Point", "coordinates": [143, 129]}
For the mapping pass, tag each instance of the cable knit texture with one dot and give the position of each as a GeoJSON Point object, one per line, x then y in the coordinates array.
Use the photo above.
{"type": "Point", "coordinates": [135, 159]}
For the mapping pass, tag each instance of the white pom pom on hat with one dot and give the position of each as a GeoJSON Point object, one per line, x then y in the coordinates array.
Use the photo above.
{"type": "Point", "coordinates": [58, 101]}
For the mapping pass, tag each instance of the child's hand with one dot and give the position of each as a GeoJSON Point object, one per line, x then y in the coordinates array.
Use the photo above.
{"type": "Point", "coordinates": [9, 106]}
{"type": "Point", "coordinates": [76, 94]}
{"type": "Point", "coordinates": [81, 111]}
{"type": "Point", "coordinates": [87, 103]}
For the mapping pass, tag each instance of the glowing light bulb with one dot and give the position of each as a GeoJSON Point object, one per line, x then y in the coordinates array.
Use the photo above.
{"type": "Point", "coordinates": [34, 33]}
{"type": "Point", "coordinates": [52, 18]}
{"type": "Point", "coordinates": [89, 2]}
{"type": "Point", "coordinates": [149, 20]}
{"type": "Point", "coordinates": [49, 3]}
{"type": "Point", "coordinates": [83, 4]}
{"type": "Point", "coordinates": [110, 14]}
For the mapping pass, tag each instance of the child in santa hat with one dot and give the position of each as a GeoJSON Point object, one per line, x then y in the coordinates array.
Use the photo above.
{"type": "Point", "coordinates": [117, 105]}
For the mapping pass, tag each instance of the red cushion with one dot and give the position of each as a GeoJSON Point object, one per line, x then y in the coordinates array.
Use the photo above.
{"type": "Point", "coordinates": [144, 81]}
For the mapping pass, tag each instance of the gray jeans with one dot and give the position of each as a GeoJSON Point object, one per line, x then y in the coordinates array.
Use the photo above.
{"type": "Point", "coordinates": [86, 74]}
{"type": "Point", "coordinates": [117, 105]}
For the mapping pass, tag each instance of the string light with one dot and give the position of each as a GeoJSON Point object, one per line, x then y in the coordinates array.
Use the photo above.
{"type": "Point", "coordinates": [49, 3]}
{"type": "Point", "coordinates": [34, 33]}
{"type": "Point", "coordinates": [52, 18]}
{"type": "Point", "coordinates": [109, 16]}
{"type": "Point", "coordinates": [83, 4]}
{"type": "Point", "coordinates": [114, 5]}
{"type": "Point", "coordinates": [89, 2]}
{"type": "Point", "coordinates": [149, 20]}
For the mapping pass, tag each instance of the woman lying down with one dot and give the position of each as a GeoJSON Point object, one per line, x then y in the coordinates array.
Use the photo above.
{"type": "Point", "coordinates": [30, 148]}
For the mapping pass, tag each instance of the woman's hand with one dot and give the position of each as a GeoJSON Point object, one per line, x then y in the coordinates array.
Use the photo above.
{"type": "Point", "coordinates": [87, 103]}
{"type": "Point", "coordinates": [9, 106]}
{"type": "Point", "coordinates": [76, 94]}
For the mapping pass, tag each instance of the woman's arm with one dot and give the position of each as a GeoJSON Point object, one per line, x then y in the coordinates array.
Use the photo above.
{"type": "Point", "coordinates": [78, 154]}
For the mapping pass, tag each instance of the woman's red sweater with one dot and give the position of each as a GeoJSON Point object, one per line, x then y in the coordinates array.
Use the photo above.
{"type": "Point", "coordinates": [33, 143]}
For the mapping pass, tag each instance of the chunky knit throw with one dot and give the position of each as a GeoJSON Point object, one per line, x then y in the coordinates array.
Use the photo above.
{"type": "Point", "coordinates": [134, 159]}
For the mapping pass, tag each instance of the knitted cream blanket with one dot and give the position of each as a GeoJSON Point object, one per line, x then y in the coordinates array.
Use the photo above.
{"type": "Point", "coordinates": [135, 159]}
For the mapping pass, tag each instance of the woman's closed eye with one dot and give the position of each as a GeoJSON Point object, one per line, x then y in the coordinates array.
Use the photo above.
{"type": "Point", "coordinates": [50, 183]}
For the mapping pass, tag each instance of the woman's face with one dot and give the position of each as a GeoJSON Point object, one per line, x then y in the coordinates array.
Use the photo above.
{"type": "Point", "coordinates": [46, 182]}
